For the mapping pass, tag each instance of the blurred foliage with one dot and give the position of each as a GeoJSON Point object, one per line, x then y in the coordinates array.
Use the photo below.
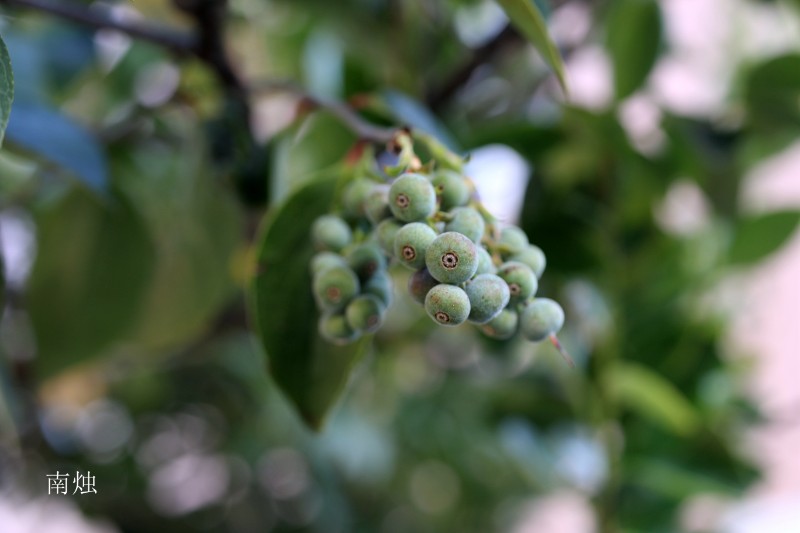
{"type": "Point", "coordinates": [135, 183]}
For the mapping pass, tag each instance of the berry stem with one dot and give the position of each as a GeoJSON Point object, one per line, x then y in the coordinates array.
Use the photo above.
{"type": "Point", "coordinates": [554, 340]}
{"type": "Point", "coordinates": [438, 151]}
{"type": "Point", "coordinates": [404, 147]}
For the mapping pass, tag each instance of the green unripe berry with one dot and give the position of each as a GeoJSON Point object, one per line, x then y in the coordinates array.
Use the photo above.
{"type": "Point", "coordinates": [412, 198]}
{"type": "Point", "coordinates": [324, 260]}
{"type": "Point", "coordinates": [451, 188]}
{"type": "Point", "coordinates": [467, 221]}
{"type": "Point", "coordinates": [512, 240]}
{"type": "Point", "coordinates": [485, 263]}
{"type": "Point", "coordinates": [411, 243]}
{"type": "Point", "coordinates": [365, 313]}
{"type": "Point", "coordinates": [380, 285]}
{"type": "Point", "coordinates": [385, 233]}
{"type": "Point", "coordinates": [522, 282]}
{"type": "Point", "coordinates": [541, 318]}
{"type": "Point", "coordinates": [354, 198]}
{"type": "Point", "coordinates": [488, 295]}
{"type": "Point", "coordinates": [452, 258]}
{"type": "Point", "coordinates": [420, 283]}
{"type": "Point", "coordinates": [334, 328]}
{"type": "Point", "coordinates": [365, 260]}
{"type": "Point", "coordinates": [447, 305]}
{"type": "Point", "coordinates": [376, 205]}
{"type": "Point", "coordinates": [534, 257]}
{"type": "Point", "coordinates": [503, 326]}
{"type": "Point", "coordinates": [335, 286]}
{"type": "Point", "coordinates": [330, 232]}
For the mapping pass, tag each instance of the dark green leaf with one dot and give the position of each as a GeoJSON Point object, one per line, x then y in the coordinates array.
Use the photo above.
{"type": "Point", "coordinates": [633, 39]}
{"type": "Point", "coordinates": [6, 88]}
{"type": "Point", "coordinates": [651, 396]}
{"type": "Point", "coordinates": [317, 143]}
{"type": "Point", "coordinates": [527, 18]}
{"type": "Point", "coordinates": [58, 139]}
{"type": "Point", "coordinates": [758, 236]}
{"type": "Point", "coordinates": [772, 93]}
{"type": "Point", "coordinates": [310, 371]}
{"type": "Point", "coordinates": [673, 480]}
{"type": "Point", "coordinates": [89, 279]}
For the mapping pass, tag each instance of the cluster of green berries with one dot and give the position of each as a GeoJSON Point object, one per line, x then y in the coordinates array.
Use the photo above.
{"type": "Point", "coordinates": [466, 269]}
{"type": "Point", "coordinates": [351, 285]}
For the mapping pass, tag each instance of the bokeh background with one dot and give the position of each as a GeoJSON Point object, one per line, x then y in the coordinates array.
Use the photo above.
{"type": "Point", "coordinates": [665, 191]}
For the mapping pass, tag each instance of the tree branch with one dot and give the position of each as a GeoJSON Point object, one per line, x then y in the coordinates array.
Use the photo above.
{"type": "Point", "coordinates": [174, 41]}
{"type": "Point", "coordinates": [209, 16]}
{"type": "Point", "coordinates": [353, 121]}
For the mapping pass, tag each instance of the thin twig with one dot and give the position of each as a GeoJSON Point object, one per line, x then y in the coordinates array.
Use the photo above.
{"type": "Point", "coordinates": [363, 129]}
{"type": "Point", "coordinates": [171, 39]}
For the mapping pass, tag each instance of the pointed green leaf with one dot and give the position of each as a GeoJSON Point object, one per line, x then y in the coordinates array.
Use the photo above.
{"type": "Point", "coordinates": [311, 372]}
{"type": "Point", "coordinates": [526, 17]}
{"type": "Point", "coordinates": [6, 88]}
{"type": "Point", "coordinates": [633, 39]}
{"type": "Point", "coordinates": [645, 392]}
{"type": "Point", "coordinates": [758, 236]}
{"type": "Point", "coordinates": [772, 93]}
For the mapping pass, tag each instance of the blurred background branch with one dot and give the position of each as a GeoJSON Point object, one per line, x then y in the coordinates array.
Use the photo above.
{"type": "Point", "coordinates": [169, 38]}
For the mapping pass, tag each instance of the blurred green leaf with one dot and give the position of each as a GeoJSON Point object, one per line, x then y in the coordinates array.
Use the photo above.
{"type": "Point", "coordinates": [633, 38]}
{"type": "Point", "coordinates": [301, 152]}
{"type": "Point", "coordinates": [88, 282]}
{"type": "Point", "coordinates": [195, 226]}
{"type": "Point", "coordinates": [651, 396]}
{"type": "Point", "coordinates": [758, 236]}
{"type": "Point", "coordinates": [309, 370]}
{"type": "Point", "coordinates": [2, 282]}
{"type": "Point", "coordinates": [527, 18]}
{"type": "Point", "coordinates": [6, 88]}
{"type": "Point", "coordinates": [772, 93]}
{"type": "Point", "coordinates": [673, 480]}
{"type": "Point", "coordinates": [58, 139]}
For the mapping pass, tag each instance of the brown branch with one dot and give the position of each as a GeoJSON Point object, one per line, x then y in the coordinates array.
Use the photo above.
{"type": "Point", "coordinates": [172, 40]}
{"type": "Point", "coordinates": [353, 121]}
{"type": "Point", "coordinates": [209, 16]}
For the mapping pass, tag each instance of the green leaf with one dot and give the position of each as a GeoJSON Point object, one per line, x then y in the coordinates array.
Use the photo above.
{"type": "Point", "coordinates": [196, 228]}
{"type": "Point", "coordinates": [318, 142]}
{"type": "Point", "coordinates": [526, 17]}
{"type": "Point", "coordinates": [673, 480]}
{"type": "Point", "coordinates": [87, 285]}
{"type": "Point", "coordinates": [758, 236]}
{"type": "Point", "coordinates": [772, 93]}
{"type": "Point", "coordinates": [633, 39]}
{"type": "Point", "coordinates": [310, 371]}
{"type": "Point", "coordinates": [6, 88]}
{"type": "Point", "coordinates": [651, 396]}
